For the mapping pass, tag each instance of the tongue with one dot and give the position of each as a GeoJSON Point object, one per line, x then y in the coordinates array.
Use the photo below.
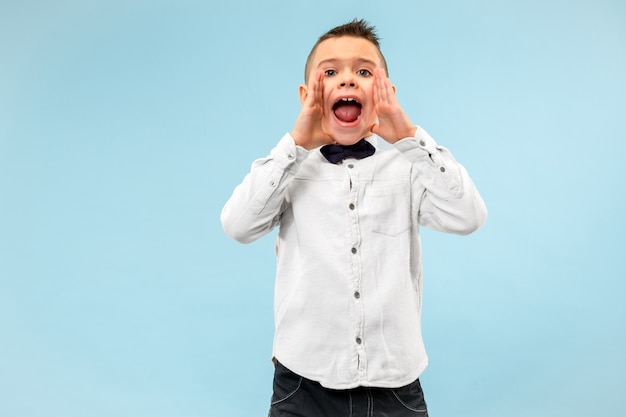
{"type": "Point", "coordinates": [347, 112]}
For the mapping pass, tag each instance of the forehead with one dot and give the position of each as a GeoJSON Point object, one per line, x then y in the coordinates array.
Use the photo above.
{"type": "Point", "coordinates": [346, 48]}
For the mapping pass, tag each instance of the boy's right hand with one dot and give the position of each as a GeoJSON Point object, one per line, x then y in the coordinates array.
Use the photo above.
{"type": "Point", "coordinates": [307, 132]}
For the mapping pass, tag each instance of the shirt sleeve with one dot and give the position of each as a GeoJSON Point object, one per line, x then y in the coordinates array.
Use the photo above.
{"type": "Point", "coordinates": [255, 206]}
{"type": "Point", "coordinates": [445, 196]}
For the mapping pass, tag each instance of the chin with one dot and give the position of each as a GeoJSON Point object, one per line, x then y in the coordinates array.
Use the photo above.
{"type": "Point", "coordinates": [341, 140]}
{"type": "Point", "coordinates": [348, 135]}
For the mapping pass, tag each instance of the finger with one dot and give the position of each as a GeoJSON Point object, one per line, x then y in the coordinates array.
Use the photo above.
{"type": "Point", "coordinates": [389, 94]}
{"type": "Point", "coordinates": [379, 91]}
{"type": "Point", "coordinates": [379, 86]}
{"type": "Point", "coordinates": [382, 84]}
{"type": "Point", "coordinates": [375, 128]}
{"type": "Point", "coordinates": [319, 87]}
{"type": "Point", "coordinates": [312, 90]}
{"type": "Point", "coordinates": [376, 92]}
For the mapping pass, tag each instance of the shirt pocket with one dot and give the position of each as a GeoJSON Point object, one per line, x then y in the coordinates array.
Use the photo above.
{"type": "Point", "coordinates": [390, 209]}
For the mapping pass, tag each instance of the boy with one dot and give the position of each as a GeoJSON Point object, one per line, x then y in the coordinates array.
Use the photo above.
{"type": "Point", "coordinates": [349, 279]}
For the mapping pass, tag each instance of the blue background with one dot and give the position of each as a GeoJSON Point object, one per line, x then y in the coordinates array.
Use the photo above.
{"type": "Point", "coordinates": [125, 125]}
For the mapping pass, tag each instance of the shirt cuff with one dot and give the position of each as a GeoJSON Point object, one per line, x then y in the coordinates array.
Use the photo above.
{"type": "Point", "coordinates": [434, 163]}
{"type": "Point", "coordinates": [286, 153]}
{"type": "Point", "coordinates": [422, 147]}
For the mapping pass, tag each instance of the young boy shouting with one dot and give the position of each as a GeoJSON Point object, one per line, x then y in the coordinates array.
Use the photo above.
{"type": "Point", "coordinates": [349, 276]}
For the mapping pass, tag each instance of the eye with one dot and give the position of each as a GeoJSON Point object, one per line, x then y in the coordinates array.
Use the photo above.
{"type": "Point", "coordinates": [330, 73]}
{"type": "Point", "coordinates": [364, 73]}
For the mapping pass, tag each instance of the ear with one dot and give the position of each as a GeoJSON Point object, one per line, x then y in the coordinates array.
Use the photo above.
{"type": "Point", "coordinates": [303, 90]}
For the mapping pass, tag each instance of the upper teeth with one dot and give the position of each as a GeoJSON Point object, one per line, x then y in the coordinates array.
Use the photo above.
{"type": "Point", "coordinates": [347, 99]}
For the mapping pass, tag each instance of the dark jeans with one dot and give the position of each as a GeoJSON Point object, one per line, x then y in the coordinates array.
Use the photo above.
{"type": "Point", "coordinates": [295, 396]}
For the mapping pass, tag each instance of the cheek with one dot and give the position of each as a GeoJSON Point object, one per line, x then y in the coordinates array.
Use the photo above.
{"type": "Point", "coordinates": [325, 99]}
{"type": "Point", "coordinates": [369, 93]}
{"type": "Point", "coordinates": [370, 113]}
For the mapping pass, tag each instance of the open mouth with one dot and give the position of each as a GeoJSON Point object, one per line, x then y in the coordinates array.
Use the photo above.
{"type": "Point", "coordinates": [347, 110]}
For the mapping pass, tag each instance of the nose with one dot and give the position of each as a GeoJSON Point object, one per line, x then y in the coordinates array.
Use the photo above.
{"type": "Point", "coordinates": [348, 80]}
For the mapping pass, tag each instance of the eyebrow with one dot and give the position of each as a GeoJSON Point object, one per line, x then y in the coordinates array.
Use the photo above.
{"type": "Point", "coordinates": [360, 61]}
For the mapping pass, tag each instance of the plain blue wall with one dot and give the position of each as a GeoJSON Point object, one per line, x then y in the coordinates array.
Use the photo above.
{"type": "Point", "coordinates": [124, 126]}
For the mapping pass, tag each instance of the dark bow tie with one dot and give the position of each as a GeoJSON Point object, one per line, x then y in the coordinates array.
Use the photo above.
{"type": "Point", "coordinates": [337, 153]}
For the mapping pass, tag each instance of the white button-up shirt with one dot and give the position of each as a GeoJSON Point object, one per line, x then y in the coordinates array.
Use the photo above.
{"type": "Point", "coordinates": [349, 275]}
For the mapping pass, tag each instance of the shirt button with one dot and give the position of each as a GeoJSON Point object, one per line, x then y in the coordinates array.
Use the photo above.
{"type": "Point", "coordinates": [350, 166]}
{"type": "Point", "coordinates": [357, 294]}
{"type": "Point", "coordinates": [272, 183]}
{"type": "Point", "coordinates": [353, 250]}
{"type": "Point", "coordinates": [290, 156]}
{"type": "Point", "coordinates": [351, 206]}
{"type": "Point", "coordinates": [358, 341]}
{"type": "Point", "coordinates": [442, 169]}
{"type": "Point", "coordinates": [422, 143]}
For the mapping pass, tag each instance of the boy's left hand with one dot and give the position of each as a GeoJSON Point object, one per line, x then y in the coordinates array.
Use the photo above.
{"type": "Point", "coordinates": [393, 123]}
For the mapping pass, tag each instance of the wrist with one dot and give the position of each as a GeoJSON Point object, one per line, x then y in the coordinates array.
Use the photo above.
{"type": "Point", "coordinates": [301, 140]}
{"type": "Point", "coordinates": [410, 132]}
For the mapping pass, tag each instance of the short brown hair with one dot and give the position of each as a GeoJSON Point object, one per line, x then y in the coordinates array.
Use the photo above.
{"type": "Point", "coordinates": [358, 28]}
